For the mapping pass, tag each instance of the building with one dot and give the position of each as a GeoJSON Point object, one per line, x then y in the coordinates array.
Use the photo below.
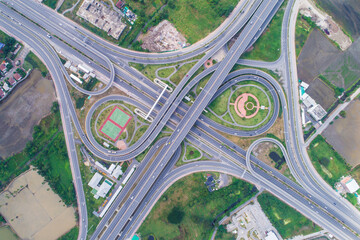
{"type": "Point", "coordinates": [11, 81]}
{"type": "Point", "coordinates": [3, 67]}
{"type": "Point", "coordinates": [17, 76]}
{"type": "Point", "coordinates": [84, 68]}
{"type": "Point", "coordinates": [317, 112]}
{"type": "Point", "coordinates": [95, 180]}
{"type": "Point", "coordinates": [117, 172]}
{"type": "Point", "coordinates": [120, 4]}
{"type": "Point", "coordinates": [349, 184]}
{"type": "Point", "coordinates": [67, 64]}
{"type": "Point", "coordinates": [2, 94]}
{"type": "Point", "coordinates": [103, 189]}
{"type": "Point", "coordinates": [76, 78]}
{"type": "Point", "coordinates": [271, 236]}
{"type": "Point", "coordinates": [73, 69]}
{"type": "Point", "coordinates": [6, 87]}
{"type": "Point", "coordinates": [2, 46]}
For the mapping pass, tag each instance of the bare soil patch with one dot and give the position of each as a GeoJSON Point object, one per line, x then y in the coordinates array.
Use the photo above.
{"type": "Point", "coordinates": [22, 110]}
{"type": "Point", "coordinates": [344, 136]}
{"type": "Point", "coordinates": [163, 37]}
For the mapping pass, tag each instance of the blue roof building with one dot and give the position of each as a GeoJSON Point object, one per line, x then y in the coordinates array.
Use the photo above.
{"type": "Point", "coordinates": [2, 45]}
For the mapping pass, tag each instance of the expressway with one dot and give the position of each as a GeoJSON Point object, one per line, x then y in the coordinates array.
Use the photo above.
{"type": "Point", "coordinates": [188, 124]}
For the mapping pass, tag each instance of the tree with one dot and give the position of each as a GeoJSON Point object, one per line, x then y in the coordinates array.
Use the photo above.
{"type": "Point", "coordinates": [324, 161]}
{"type": "Point", "coordinates": [175, 216]}
{"type": "Point", "coordinates": [343, 114]}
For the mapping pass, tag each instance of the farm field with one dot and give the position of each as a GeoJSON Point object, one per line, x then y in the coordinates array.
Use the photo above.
{"type": "Point", "coordinates": [311, 61]}
{"type": "Point", "coordinates": [346, 13]}
{"type": "Point", "coordinates": [321, 93]}
{"type": "Point", "coordinates": [343, 136]}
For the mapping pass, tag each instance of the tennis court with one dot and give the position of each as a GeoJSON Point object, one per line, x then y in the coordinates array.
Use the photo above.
{"type": "Point", "coordinates": [120, 117]}
{"type": "Point", "coordinates": [110, 130]}
{"type": "Point", "coordinates": [115, 123]}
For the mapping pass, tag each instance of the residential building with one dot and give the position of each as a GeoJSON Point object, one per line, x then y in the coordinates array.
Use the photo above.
{"type": "Point", "coordinates": [349, 184]}
{"type": "Point", "coordinates": [17, 76]}
{"type": "Point", "coordinates": [3, 67]}
{"type": "Point", "coordinates": [2, 94]}
{"type": "Point", "coordinates": [6, 87]}
{"type": "Point", "coordinates": [11, 81]}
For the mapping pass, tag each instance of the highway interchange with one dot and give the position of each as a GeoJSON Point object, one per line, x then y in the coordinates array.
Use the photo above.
{"type": "Point", "coordinates": [315, 199]}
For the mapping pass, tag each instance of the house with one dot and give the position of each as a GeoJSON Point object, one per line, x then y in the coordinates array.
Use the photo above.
{"type": "Point", "coordinates": [11, 81]}
{"type": "Point", "coordinates": [17, 76]}
{"type": "Point", "coordinates": [349, 184]}
{"type": "Point", "coordinates": [3, 67]}
{"type": "Point", "coordinates": [6, 87]}
{"type": "Point", "coordinates": [2, 94]}
{"type": "Point", "coordinates": [210, 183]}
{"type": "Point", "coordinates": [120, 4]}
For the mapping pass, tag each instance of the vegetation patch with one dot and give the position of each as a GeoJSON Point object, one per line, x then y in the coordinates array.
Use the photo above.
{"type": "Point", "coordinates": [302, 33]}
{"type": "Point", "coordinates": [268, 46]}
{"type": "Point", "coordinates": [285, 219]}
{"type": "Point", "coordinates": [35, 62]}
{"type": "Point", "coordinates": [50, 3]}
{"type": "Point", "coordinates": [198, 208]}
{"type": "Point", "coordinates": [323, 155]}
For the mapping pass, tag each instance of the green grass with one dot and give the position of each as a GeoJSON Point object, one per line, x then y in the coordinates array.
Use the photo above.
{"type": "Point", "coordinates": [150, 69]}
{"type": "Point", "coordinates": [66, 5]}
{"type": "Point", "coordinates": [198, 205]}
{"type": "Point", "coordinates": [71, 235]}
{"type": "Point", "coordinates": [50, 3]}
{"type": "Point", "coordinates": [192, 152]}
{"type": "Point", "coordinates": [178, 76]}
{"type": "Point", "coordinates": [196, 19]}
{"type": "Point", "coordinates": [302, 33]}
{"type": "Point", "coordinates": [166, 72]}
{"type": "Point", "coordinates": [284, 218]}
{"type": "Point", "coordinates": [337, 167]}
{"type": "Point", "coordinates": [220, 105]}
{"type": "Point", "coordinates": [35, 62]}
{"type": "Point", "coordinates": [268, 46]}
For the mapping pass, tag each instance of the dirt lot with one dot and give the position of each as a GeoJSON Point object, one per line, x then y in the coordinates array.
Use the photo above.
{"type": "Point", "coordinates": [321, 93]}
{"type": "Point", "coordinates": [163, 37]}
{"type": "Point", "coordinates": [347, 13]}
{"type": "Point", "coordinates": [23, 109]}
{"type": "Point", "coordinates": [316, 56]}
{"type": "Point", "coordinates": [344, 136]}
{"type": "Point", "coordinates": [33, 210]}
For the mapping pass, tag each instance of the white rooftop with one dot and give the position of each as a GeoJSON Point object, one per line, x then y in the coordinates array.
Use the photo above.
{"type": "Point", "coordinates": [271, 236]}
{"type": "Point", "coordinates": [104, 188]}
{"type": "Point", "coordinates": [117, 172]}
{"type": "Point", "coordinates": [304, 85]}
{"type": "Point", "coordinates": [95, 180]}
{"type": "Point", "coordinates": [352, 186]}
